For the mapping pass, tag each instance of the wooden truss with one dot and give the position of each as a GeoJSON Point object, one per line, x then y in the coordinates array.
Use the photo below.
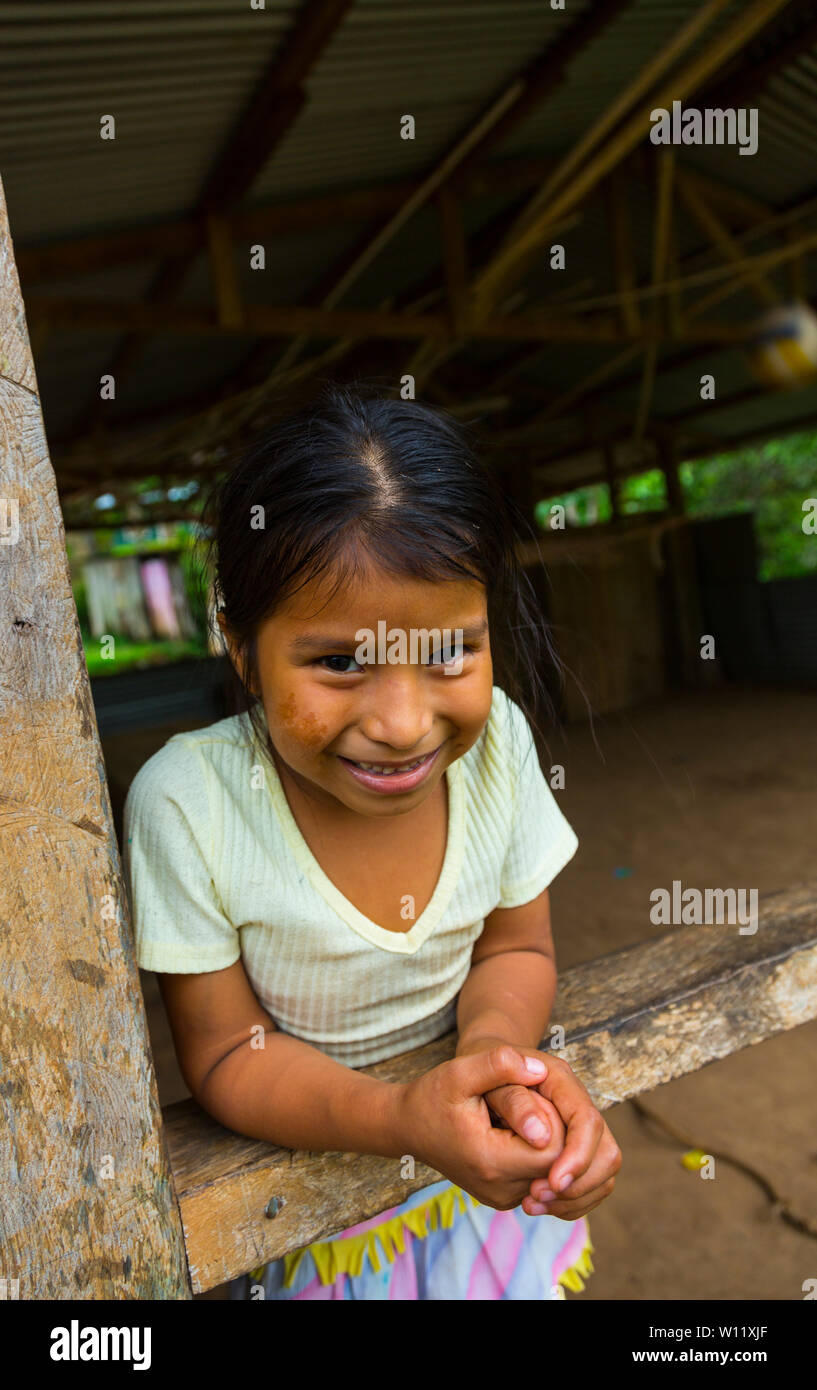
{"type": "Point", "coordinates": [478, 293]}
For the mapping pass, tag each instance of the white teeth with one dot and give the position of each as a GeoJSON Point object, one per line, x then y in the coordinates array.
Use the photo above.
{"type": "Point", "coordinates": [388, 771]}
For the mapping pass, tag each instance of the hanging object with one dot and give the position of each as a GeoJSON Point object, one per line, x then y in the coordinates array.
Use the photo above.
{"type": "Point", "coordinates": [783, 346]}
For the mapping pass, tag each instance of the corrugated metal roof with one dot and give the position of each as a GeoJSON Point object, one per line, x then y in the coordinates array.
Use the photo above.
{"type": "Point", "coordinates": [178, 77]}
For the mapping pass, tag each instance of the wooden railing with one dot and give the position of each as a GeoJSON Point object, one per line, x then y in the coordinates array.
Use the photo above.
{"type": "Point", "coordinates": [632, 1020]}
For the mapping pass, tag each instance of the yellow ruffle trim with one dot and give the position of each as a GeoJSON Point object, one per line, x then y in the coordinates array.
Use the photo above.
{"type": "Point", "coordinates": [574, 1276]}
{"type": "Point", "coordinates": [346, 1255]}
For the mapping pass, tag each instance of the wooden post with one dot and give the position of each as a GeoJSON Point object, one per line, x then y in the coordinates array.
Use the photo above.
{"type": "Point", "coordinates": [621, 241]}
{"type": "Point", "coordinates": [609, 455]}
{"type": "Point", "coordinates": [669, 465]}
{"type": "Point", "coordinates": [683, 589]}
{"type": "Point", "coordinates": [88, 1209]}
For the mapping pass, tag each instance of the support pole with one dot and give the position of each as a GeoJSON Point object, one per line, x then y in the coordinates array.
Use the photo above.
{"type": "Point", "coordinates": [88, 1209]}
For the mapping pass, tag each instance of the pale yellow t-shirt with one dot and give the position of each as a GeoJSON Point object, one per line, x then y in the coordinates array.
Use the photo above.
{"type": "Point", "coordinates": [218, 869]}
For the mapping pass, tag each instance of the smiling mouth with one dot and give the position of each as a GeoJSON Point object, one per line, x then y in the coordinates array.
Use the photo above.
{"type": "Point", "coordinates": [389, 769]}
{"type": "Point", "coordinates": [393, 778]}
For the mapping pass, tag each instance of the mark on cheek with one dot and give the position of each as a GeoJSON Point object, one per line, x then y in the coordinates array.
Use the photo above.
{"type": "Point", "coordinates": [306, 728]}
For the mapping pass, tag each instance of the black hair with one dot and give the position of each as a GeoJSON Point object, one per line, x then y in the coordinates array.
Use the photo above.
{"type": "Point", "coordinates": [356, 477]}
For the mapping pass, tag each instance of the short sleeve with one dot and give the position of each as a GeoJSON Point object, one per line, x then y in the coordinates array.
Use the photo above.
{"type": "Point", "coordinates": [541, 839]}
{"type": "Point", "coordinates": [179, 923]}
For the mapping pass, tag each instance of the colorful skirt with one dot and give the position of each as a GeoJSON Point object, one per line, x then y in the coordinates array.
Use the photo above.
{"type": "Point", "coordinates": [440, 1244]}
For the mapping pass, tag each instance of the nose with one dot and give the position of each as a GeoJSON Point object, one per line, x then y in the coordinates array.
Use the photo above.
{"type": "Point", "coordinates": [398, 713]}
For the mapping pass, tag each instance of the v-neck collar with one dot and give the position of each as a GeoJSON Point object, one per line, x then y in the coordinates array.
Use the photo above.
{"type": "Point", "coordinates": [400, 943]}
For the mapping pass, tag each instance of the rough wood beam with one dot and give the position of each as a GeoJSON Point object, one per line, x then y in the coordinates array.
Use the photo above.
{"type": "Point", "coordinates": [274, 106]}
{"type": "Point", "coordinates": [87, 1202]}
{"type": "Point", "coordinates": [280, 321]}
{"type": "Point", "coordinates": [188, 236]}
{"type": "Point", "coordinates": [633, 1021]}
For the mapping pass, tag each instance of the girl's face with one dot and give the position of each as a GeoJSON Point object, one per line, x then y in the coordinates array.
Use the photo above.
{"type": "Point", "coordinates": [328, 712]}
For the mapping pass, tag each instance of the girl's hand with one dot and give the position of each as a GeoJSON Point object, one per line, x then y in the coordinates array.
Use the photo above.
{"type": "Point", "coordinates": [444, 1121]}
{"type": "Point", "coordinates": [527, 1113]}
{"type": "Point", "coordinates": [591, 1157]}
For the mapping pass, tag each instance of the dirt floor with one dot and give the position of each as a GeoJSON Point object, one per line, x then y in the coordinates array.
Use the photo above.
{"type": "Point", "coordinates": [714, 788]}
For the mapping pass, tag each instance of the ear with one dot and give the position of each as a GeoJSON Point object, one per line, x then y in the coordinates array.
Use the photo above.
{"type": "Point", "coordinates": [233, 646]}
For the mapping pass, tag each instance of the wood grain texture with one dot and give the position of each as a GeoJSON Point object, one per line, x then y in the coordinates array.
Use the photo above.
{"type": "Point", "coordinates": [87, 1206]}
{"type": "Point", "coordinates": [633, 1020]}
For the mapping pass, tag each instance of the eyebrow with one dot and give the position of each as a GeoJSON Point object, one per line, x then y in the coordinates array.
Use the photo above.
{"type": "Point", "coordinates": [309, 644]}
{"type": "Point", "coordinates": [313, 643]}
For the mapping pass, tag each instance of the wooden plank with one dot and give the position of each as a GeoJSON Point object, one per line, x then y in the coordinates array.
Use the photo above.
{"type": "Point", "coordinates": [78, 255]}
{"type": "Point", "coordinates": [633, 1020]}
{"type": "Point", "coordinates": [87, 1206]}
{"type": "Point", "coordinates": [281, 320]}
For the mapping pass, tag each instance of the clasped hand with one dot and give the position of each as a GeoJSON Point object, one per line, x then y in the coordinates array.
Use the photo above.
{"type": "Point", "coordinates": [586, 1154]}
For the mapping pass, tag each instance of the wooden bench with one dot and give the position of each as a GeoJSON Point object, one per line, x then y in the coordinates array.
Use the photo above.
{"type": "Point", "coordinates": [101, 1195]}
{"type": "Point", "coordinates": [632, 1020]}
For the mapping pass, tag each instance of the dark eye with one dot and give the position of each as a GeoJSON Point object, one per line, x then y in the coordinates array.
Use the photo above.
{"type": "Point", "coordinates": [341, 670]}
{"type": "Point", "coordinates": [449, 653]}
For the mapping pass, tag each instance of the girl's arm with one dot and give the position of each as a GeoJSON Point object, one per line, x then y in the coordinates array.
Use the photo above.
{"type": "Point", "coordinates": [292, 1094]}
{"type": "Point", "coordinates": [509, 991]}
{"type": "Point", "coordinates": [261, 1082]}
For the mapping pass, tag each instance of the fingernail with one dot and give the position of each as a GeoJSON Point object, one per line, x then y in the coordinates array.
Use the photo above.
{"type": "Point", "coordinates": [565, 1182]}
{"type": "Point", "coordinates": [546, 1196]}
{"type": "Point", "coordinates": [535, 1129]}
{"type": "Point", "coordinates": [533, 1064]}
{"type": "Point", "coordinates": [538, 1209]}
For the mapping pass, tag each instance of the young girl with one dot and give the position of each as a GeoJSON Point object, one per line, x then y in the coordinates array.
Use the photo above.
{"type": "Point", "coordinates": [358, 862]}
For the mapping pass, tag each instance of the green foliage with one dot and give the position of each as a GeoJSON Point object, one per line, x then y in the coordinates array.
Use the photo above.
{"type": "Point", "coordinates": [138, 655]}
{"type": "Point", "coordinates": [772, 480]}
{"type": "Point", "coordinates": [643, 492]}
{"type": "Point", "coordinates": [585, 506]}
